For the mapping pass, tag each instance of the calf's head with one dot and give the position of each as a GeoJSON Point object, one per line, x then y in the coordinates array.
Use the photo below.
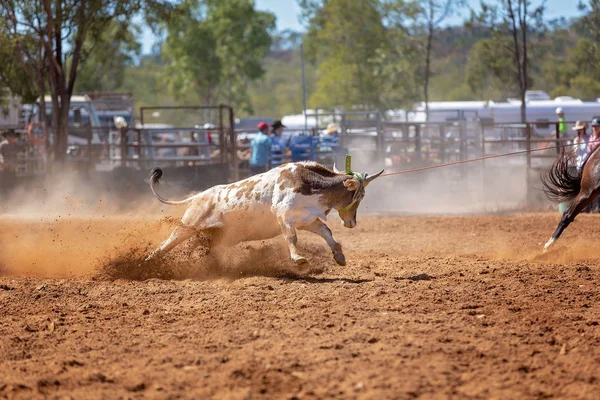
{"type": "Point", "coordinates": [356, 185]}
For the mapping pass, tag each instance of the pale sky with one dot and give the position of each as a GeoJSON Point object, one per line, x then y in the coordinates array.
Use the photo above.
{"type": "Point", "coordinates": [288, 11]}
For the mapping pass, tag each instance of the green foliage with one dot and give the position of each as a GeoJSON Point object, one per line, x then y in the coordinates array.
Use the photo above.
{"type": "Point", "coordinates": [145, 81]}
{"type": "Point", "coordinates": [215, 48]}
{"type": "Point", "coordinates": [279, 91]}
{"type": "Point", "coordinates": [586, 59]}
{"type": "Point", "coordinates": [113, 51]}
{"type": "Point", "coordinates": [362, 53]}
{"type": "Point", "coordinates": [577, 74]}
{"type": "Point", "coordinates": [12, 75]}
{"type": "Point", "coordinates": [490, 69]}
{"type": "Point", "coordinates": [584, 87]}
{"type": "Point", "coordinates": [53, 39]}
{"type": "Point", "coordinates": [428, 15]}
{"type": "Point", "coordinates": [514, 27]}
{"type": "Point", "coordinates": [345, 39]}
{"type": "Point", "coordinates": [588, 26]}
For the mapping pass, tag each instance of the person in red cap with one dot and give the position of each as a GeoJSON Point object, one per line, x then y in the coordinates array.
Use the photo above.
{"type": "Point", "coordinates": [261, 150]}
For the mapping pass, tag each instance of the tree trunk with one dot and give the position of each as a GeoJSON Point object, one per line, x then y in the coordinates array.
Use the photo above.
{"type": "Point", "coordinates": [62, 138]}
{"type": "Point", "coordinates": [41, 85]}
{"type": "Point", "coordinates": [60, 116]}
{"type": "Point", "coordinates": [523, 107]}
{"type": "Point", "coordinates": [525, 80]}
{"type": "Point", "coordinates": [427, 71]}
{"type": "Point", "coordinates": [42, 110]}
{"type": "Point", "coordinates": [54, 122]}
{"type": "Point", "coordinates": [517, 53]}
{"type": "Point", "coordinates": [53, 80]}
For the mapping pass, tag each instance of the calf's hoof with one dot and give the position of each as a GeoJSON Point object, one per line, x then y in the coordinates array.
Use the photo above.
{"type": "Point", "coordinates": [339, 258]}
{"type": "Point", "coordinates": [301, 261]}
{"type": "Point", "coordinates": [151, 257]}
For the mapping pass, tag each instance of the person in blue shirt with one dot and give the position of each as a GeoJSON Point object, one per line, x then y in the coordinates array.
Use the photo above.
{"type": "Point", "coordinates": [280, 143]}
{"type": "Point", "coordinates": [277, 134]}
{"type": "Point", "coordinates": [261, 150]}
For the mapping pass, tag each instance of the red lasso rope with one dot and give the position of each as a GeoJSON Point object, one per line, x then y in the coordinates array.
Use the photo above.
{"type": "Point", "coordinates": [407, 171]}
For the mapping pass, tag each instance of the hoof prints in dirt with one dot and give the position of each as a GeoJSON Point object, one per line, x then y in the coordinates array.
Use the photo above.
{"type": "Point", "coordinates": [419, 277]}
{"type": "Point", "coordinates": [237, 262]}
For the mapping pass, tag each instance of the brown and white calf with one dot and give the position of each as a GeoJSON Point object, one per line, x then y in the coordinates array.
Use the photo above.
{"type": "Point", "coordinates": [280, 201]}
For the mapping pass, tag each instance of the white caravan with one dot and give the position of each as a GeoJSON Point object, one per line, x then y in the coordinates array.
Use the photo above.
{"type": "Point", "coordinates": [541, 110]}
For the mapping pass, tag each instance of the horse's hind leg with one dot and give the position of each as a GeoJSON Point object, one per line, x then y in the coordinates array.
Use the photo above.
{"type": "Point", "coordinates": [579, 204]}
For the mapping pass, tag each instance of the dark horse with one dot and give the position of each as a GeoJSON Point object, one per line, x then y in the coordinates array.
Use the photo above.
{"type": "Point", "coordinates": [563, 182]}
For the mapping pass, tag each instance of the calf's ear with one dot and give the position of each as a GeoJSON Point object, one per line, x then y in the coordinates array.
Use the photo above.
{"type": "Point", "coordinates": [351, 184]}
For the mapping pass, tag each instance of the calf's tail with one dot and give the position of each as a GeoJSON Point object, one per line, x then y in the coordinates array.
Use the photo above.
{"type": "Point", "coordinates": [155, 176]}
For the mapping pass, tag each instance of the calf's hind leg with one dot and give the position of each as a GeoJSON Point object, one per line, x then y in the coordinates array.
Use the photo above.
{"type": "Point", "coordinates": [319, 228]}
{"type": "Point", "coordinates": [179, 234]}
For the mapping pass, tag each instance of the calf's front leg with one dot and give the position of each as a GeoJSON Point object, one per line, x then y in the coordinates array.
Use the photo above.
{"type": "Point", "coordinates": [319, 228]}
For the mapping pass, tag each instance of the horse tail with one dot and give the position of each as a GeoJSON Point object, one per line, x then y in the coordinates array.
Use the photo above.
{"type": "Point", "coordinates": [559, 183]}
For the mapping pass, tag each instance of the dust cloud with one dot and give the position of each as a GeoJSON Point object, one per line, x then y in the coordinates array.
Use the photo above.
{"type": "Point", "coordinates": [564, 252]}
{"type": "Point", "coordinates": [264, 258]}
{"type": "Point", "coordinates": [72, 227]}
{"type": "Point", "coordinates": [475, 188]}
{"type": "Point", "coordinates": [74, 195]}
{"type": "Point", "coordinates": [69, 228]}
{"type": "Point", "coordinates": [69, 246]}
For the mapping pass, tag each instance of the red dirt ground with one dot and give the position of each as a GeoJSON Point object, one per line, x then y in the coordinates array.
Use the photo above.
{"type": "Point", "coordinates": [494, 319]}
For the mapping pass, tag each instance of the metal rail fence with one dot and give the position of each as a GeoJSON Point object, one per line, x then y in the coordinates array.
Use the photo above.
{"type": "Point", "coordinates": [373, 141]}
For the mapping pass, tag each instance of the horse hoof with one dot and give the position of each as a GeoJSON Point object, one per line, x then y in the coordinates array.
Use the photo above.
{"type": "Point", "coordinates": [547, 245]}
{"type": "Point", "coordinates": [340, 259]}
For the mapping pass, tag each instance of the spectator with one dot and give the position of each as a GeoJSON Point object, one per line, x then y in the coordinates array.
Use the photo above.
{"type": "Point", "coordinates": [595, 138]}
{"type": "Point", "coordinates": [593, 143]}
{"type": "Point", "coordinates": [261, 150]}
{"type": "Point", "coordinates": [580, 144]}
{"type": "Point", "coordinates": [9, 157]}
{"type": "Point", "coordinates": [580, 149]}
{"type": "Point", "coordinates": [562, 125]}
{"type": "Point", "coordinates": [9, 151]}
{"type": "Point", "coordinates": [166, 151]}
{"type": "Point", "coordinates": [280, 144]}
{"type": "Point", "coordinates": [277, 130]}
{"type": "Point", "coordinates": [193, 150]}
{"type": "Point", "coordinates": [208, 128]}
{"type": "Point", "coordinates": [332, 132]}
{"type": "Point", "coordinates": [328, 139]}
{"type": "Point", "coordinates": [576, 152]}
{"type": "Point", "coordinates": [243, 151]}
